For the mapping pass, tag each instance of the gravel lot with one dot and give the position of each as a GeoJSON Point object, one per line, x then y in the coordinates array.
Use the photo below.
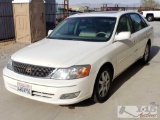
{"type": "Point", "coordinates": [139, 85]}
{"type": "Point", "coordinates": [8, 48]}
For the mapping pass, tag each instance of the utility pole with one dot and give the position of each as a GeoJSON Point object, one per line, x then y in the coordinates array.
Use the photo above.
{"type": "Point", "coordinates": [104, 7]}
{"type": "Point", "coordinates": [66, 8]}
{"type": "Point", "coordinates": [87, 8]}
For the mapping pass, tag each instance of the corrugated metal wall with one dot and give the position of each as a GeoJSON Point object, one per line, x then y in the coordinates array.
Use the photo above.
{"type": "Point", "coordinates": [7, 23]}
{"type": "Point", "coordinates": [6, 20]}
{"type": "Point", "coordinates": [50, 14]}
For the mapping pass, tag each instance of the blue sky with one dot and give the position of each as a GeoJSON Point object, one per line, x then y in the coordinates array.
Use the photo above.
{"type": "Point", "coordinates": [101, 1]}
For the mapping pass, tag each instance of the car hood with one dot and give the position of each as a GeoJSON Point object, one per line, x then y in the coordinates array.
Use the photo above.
{"type": "Point", "coordinates": [57, 53]}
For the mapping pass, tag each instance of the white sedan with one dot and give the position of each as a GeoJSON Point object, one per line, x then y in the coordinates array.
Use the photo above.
{"type": "Point", "coordinates": [80, 58]}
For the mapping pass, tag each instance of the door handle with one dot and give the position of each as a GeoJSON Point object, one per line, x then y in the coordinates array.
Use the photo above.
{"type": "Point", "coordinates": [147, 33]}
{"type": "Point", "coordinates": [134, 41]}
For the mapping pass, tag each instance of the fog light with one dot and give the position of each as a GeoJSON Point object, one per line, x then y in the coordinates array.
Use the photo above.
{"type": "Point", "coordinates": [70, 95]}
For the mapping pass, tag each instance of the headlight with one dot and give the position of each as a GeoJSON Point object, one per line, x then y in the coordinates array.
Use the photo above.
{"type": "Point", "coordinates": [9, 65]}
{"type": "Point", "coordinates": [74, 72]}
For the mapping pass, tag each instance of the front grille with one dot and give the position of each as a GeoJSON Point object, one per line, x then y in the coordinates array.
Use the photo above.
{"type": "Point", "coordinates": [31, 70]}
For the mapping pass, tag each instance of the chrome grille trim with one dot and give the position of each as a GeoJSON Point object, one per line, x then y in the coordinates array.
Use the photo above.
{"type": "Point", "coordinates": [42, 94]}
{"type": "Point", "coordinates": [31, 70]}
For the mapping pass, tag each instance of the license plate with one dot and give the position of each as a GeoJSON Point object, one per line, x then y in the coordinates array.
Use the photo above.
{"type": "Point", "coordinates": [24, 88]}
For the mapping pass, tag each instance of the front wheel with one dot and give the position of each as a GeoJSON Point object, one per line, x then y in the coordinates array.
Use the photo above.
{"type": "Point", "coordinates": [145, 58]}
{"type": "Point", "coordinates": [150, 18]}
{"type": "Point", "coordinates": [102, 85]}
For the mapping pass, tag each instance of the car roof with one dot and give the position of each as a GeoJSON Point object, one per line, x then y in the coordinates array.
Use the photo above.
{"type": "Point", "coordinates": [102, 14]}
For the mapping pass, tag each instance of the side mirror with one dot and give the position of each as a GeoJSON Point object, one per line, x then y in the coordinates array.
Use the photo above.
{"type": "Point", "coordinates": [123, 36]}
{"type": "Point", "coordinates": [49, 32]}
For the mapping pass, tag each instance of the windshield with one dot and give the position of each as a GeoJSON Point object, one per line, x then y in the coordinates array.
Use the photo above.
{"type": "Point", "coordinates": [85, 29]}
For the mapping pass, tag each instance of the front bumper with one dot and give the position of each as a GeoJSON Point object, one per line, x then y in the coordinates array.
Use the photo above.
{"type": "Point", "coordinates": [49, 90]}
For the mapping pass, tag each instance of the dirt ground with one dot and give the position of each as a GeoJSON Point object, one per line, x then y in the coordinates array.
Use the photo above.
{"type": "Point", "coordinates": [9, 47]}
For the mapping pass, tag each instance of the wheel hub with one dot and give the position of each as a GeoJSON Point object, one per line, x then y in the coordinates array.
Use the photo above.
{"type": "Point", "coordinates": [104, 84]}
{"type": "Point", "coordinates": [146, 53]}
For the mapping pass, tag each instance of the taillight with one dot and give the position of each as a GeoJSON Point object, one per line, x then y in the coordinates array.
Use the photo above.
{"type": "Point", "coordinates": [141, 13]}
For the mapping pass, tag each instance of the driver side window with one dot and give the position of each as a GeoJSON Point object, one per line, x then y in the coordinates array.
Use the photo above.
{"type": "Point", "coordinates": [124, 25]}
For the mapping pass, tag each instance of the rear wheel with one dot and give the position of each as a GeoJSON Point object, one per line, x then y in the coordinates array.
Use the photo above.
{"type": "Point", "coordinates": [150, 18]}
{"type": "Point", "coordinates": [145, 58]}
{"type": "Point", "coordinates": [102, 85]}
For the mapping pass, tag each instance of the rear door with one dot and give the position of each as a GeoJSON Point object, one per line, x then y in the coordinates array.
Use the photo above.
{"type": "Point", "coordinates": [141, 30]}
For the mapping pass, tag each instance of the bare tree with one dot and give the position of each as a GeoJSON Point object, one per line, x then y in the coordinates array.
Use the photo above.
{"type": "Point", "coordinates": [149, 3]}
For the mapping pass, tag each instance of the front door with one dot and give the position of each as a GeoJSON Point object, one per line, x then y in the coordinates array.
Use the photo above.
{"type": "Point", "coordinates": [125, 48]}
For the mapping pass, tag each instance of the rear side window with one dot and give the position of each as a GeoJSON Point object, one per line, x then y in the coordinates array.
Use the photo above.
{"type": "Point", "coordinates": [137, 22]}
{"type": "Point", "coordinates": [144, 22]}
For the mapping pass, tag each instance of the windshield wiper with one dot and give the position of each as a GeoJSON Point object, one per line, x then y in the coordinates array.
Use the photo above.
{"type": "Point", "coordinates": [77, 39]}
{"type": "Point", "coordinates": [59, 38]}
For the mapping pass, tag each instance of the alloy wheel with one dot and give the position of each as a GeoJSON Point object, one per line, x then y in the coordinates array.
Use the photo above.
{"type": "Point", "coordinates": [104, 84]}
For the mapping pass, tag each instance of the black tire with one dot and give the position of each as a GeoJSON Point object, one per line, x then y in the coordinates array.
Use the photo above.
{"type": "Point", "coordinates": [150, 18]}
{"type": "Point", "coordinates": [102, 85]}
{"type": "Point", "coordinates": [146, 56]}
